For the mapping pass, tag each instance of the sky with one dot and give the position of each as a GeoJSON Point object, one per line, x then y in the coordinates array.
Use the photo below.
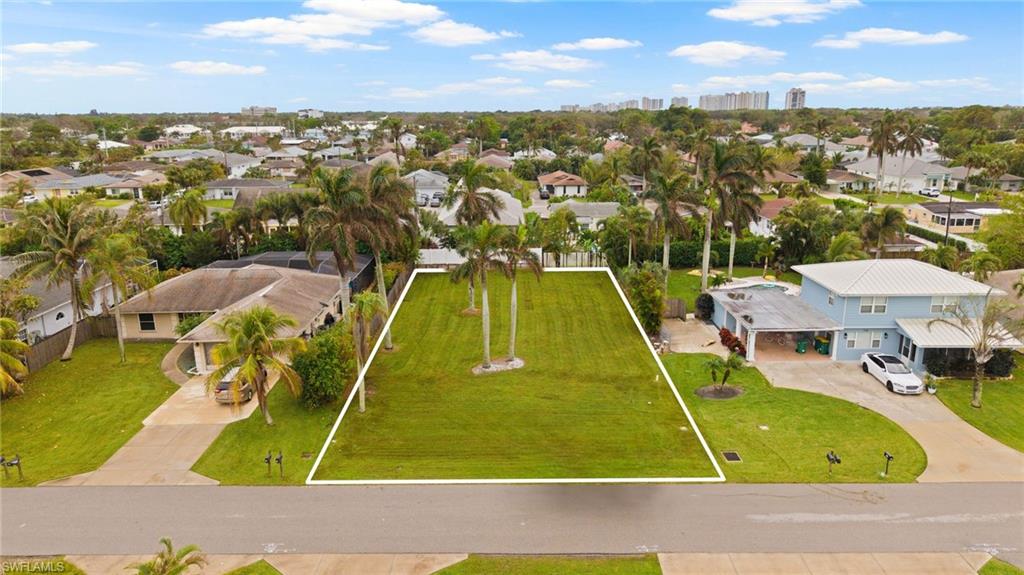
{"type": "Point", "coordinates": [394, 55]}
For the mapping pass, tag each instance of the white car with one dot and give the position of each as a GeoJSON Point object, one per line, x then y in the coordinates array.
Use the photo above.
{"type": "Point", "coordinates": [29, 199]}
{"type": "Point", "coordinates": [891, 371]}
{"type": "Point", "coordinates": [930, 192]}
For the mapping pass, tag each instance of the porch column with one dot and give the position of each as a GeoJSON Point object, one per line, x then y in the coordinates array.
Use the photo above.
{"type": "Point", "coordinates": [751, 340]}
{"type": "Point", "coordinates": [835, 345]}
{"type": "Point", "coordinates": [200, 354]}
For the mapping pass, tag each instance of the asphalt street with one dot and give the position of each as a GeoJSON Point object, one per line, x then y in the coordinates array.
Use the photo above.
{"type": "Point", "coordinates": [516, 519]}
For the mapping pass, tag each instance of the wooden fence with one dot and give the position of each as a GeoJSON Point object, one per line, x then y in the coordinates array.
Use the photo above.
{"type": "Point", "coordinates": [51, 348]}
{"type": "Point", "coordinates": [393, 295]}
{"type": "Point", "coordinates": [675, 308]}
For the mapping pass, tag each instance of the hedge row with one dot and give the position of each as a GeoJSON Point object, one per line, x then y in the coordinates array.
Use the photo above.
{"type": "Point", "coordinates": [935, 236]}
{"type": "Point", "coordinates": [687, 254]}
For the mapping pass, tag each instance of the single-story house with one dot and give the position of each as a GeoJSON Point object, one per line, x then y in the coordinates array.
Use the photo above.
{"type": "Point", "coordinates": [510, 215]}
{"type": "Point", "coordinates": [762, 225]}
{"type": "Point", "coordinates": [426, 183]}
{"type": "Point", "coordinates": [228, 188]}
{"type": "Point", "coordinates": [634, 183]}
{"type": "Point", "coordinates": [535, 154]}
{"type": "Point", "coordinates": [287, 169]}
{"type": "Point", "coordinates": [561, 183]}
{"type": "Point", "coordinates": [239, 132]}
{"type": "Point", "coordinates": [496, 162]}
{"type": "Point", "coordinates": [963, 217]}
{"type": "Point", "coordinates": [183, 130]}
{"type": "Point", "coordinates": [843, 181]}
{"type": "Point", "coordinates": [917, 175]}
{"type": "Point", "coordinates": [589, 215]}
{"type": "Point", "coordinates": [1006, 182]}
{"type": "Point", "coordinates": [71, 187]}
{"type": "Point", "coordinates": [333, 152]}
{"type": "Point", "coordinates": [456, 153]}
{"type": "Point", "coordinates": [286, 153]}
{"type": "Point", "coordinates": [494, 152]}
{"type": "Point", "coordinates": [134, 183]}
{"type": "Point", "coordinates": [34, 176]}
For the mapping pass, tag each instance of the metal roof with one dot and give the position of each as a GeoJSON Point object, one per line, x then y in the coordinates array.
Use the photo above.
{"type": "Point", "coordinates": [766, 309]}
{"type": "Point", "coordinates": [927, 333]}
{"type": "Point", "coordinates": [891, 277]}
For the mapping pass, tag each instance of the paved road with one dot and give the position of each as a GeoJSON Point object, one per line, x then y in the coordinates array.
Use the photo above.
{"type": "Point", "coordinates": [516, 519]}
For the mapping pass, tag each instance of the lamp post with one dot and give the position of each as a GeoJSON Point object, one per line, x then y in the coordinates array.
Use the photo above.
{"type": "Point", "coordinates": [732, 245]}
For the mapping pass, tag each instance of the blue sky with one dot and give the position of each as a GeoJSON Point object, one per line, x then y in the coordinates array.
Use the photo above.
{"type": "Point", "coordinates": [351, 55]}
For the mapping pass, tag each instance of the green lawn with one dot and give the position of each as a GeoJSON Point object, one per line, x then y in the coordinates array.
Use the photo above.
{"type": "Point", "coordinates": [802, 428]}
{"type": "Point", "coordinates": [683, 285]}
{"type": "Point", "coordinates": [555, 564]}
{"type": "Point", "coordinates": [1002, 405]}
{"type": "Point", "coordinates": [891, 198]}
{"type": "Point", "coordinates": [236, 457]}
{"type": "Point", "coordinates": [588, 404]}
{"type": "Point", "coordinates": [227, 204]}
{"type": "Point", "coordinates": [111, 203]}
{"type": "Point", "coordinates": [997, 567]}
{"type": "Point", "coordinates": [74, 415]}
{"type": "Point", "coordinates": [260, 567]}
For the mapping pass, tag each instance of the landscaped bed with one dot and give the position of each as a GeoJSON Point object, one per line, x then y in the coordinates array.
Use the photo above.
{"type": "Point", "coordinates": [74, 415]}
{"type": "Point", "coordinates": [589, 403]}
{"type": "Point", "coordinates": [686, 286]}
{"type": "Point", "coordinates": [801, 428]}
{"type": "Point", "coordinates": [1002, 407]}
{"type": "Point", "coordinates": [552, 564]}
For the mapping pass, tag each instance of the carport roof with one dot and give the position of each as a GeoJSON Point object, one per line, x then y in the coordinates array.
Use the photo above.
{"type": "Point", "coordinates": [925, 333]}
{"type": "Point", "coordinates": [771, 310]}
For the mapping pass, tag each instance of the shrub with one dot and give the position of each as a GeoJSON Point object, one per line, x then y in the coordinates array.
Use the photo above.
{"type": "Point", "coordinates": [391, 272]}
{"type": "Point", "coordinates": [1001, 364]}
{"type": "Point", "coordinates": [934, 236]}
{"type": "Point", "coordinates": [733, 343]}
{"type": "Point", "coordinates": [190, 323]}
{"type": "Point", "coordinates": [687, 254]}
{"type": "Point", "coordinates": [326, 367]}
{"type": "Point", "coordinates": [644, 291]}
{"type": "Point", "coordinates": [705, 306]}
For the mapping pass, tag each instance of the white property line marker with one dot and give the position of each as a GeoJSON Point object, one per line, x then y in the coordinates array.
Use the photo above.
{"type": "Point", "coordinates": [720, 477]}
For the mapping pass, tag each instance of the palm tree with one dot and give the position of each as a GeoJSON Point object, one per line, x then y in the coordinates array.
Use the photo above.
{"type": "Point", "coordinates": [727, 181]}
{"type": "Point", "coordinates": [11, 351]}
{"type": "Point", "coordinates": [881, 227]}
{"type": "Point", "coordinates": [944, 255]}
{"type": "Point", "coordinates": [516, 252]}
{"type": "Point", "coordinates": [766, 251]}
{"type": "Point", "coordinates": [366, 306]}
{"type": "Point", "coordinates": [475, 205]}
{"type": "Point", "coordinates": [911, 134]}
{"type": "Point", "coordinates": [188, 210]}
{"type": "Point", "coordinates": [171, 562]}
{"type": "Point", "coordinates": [252, 344]}
{"type": "Point", "coordinates": [982, 264]}
{"type": "Point", "coordinates": [336, 223]}
{"type": "Point", "coordinates": [846, 247]}
{"type": "Point", "coordinates": [836, 160]}
{"type": "Point", "coordinates": [309, 165]}
{"type": "Point", "coordinates": [483, 245]}
{"type": "Point", "coordinates": [645, 157]}
{"type": "Point", "coordinates": [882, 141]}
{"type": "Point", "coordinates": [699, 144]}
{"type": "Point", "coordinates": [635, 219]}
{"type": "Point", "coordinates": [278, 207]}
{"type": "Point", "coordinates": [988, 326]}
{"type": "Point", "coordinates": [67, 233]}
{"type": "Point", "coordinates": [725, 367]}
{"type": "Point", "coordinates": [119, 259]}
{"type": "Point", "coordinates": [670, 194]}
{"type": "Point", "coordinates": [822, 126]}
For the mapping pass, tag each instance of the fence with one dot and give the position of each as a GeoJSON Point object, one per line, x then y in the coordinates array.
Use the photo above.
{"type": "Point", "coordinates": [675, 308]}
{"type": "Point", "coordinates": [393, 294]}
{"type": "Point", "coordinates": [574, 260]}
{"type": "Point", "coordinates": [51, 348]}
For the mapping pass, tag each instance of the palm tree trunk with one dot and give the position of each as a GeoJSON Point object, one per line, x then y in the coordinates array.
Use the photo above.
{"type": "Point", "coordinates": [881, 173]}
{"type": "Point", "coordinates": [486, 311]}
{"type": "Point", "coordinates": [514, 306]}
{"type": "Point", "coordinates": [472, 294]}
{"type": "Point", "coordinates": [345, 292]}
{"type": "Point", "coordinates": [261, 398]}
{"type": "Point", "coordinates": [979, 372]}
{"type": "Point", "coordinates": [899, 185]}
{"type": "Point", "coordinates": [361, 353]}
{"type": "Point", "coordinates": [732, 249]}
{"type": "Point", "coordinates": [765, 272]}
{"type": "Point", "coordinates": [706, 258]}
{"type": "Point", "coordinates": [74, 321]}
{"type": "Point", "coordinates": [629, 252]}
{"type": "Point", "coordinates": [120, 334]}
{"type": "Point", "coordinates": [382, 290]}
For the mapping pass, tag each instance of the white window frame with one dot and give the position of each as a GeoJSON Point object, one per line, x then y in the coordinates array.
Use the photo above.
{"type": "Point", "coordinates": [877, 305]}
{"type": "Point", "coordinates": [944, 304]}
{"type": "Point", "coordinates": [873, 337]}
{"type": "Point", "coordinates": [831, 298]}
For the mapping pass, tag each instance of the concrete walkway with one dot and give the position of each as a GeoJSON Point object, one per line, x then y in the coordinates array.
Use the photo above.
{"type": "Point", "coordinates": [406, 564]}
{"type": "Point", "coordinates": [692, 336]}
{"type": "Point", "coordinates": [957, 452]}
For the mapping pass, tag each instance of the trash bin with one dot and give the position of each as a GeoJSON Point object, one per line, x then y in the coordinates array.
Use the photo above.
{"type": "Point", "coordinates": [821, 345]}
{"type": "Point", "coordinates": [801, 346]}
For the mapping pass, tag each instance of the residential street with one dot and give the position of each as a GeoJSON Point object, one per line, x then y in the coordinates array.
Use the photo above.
{"type": "Point", "coordinates": [518, 519]}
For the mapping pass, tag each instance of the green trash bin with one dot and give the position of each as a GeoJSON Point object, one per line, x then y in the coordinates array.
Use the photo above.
{"type": "Point", "coordinates": [822, 345]}
{"type": "Point", "coordinates": [801, 346]}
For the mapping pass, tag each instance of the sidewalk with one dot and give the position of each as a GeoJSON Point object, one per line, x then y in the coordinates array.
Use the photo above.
{"type": "Point", "coordinates": [419, 564]}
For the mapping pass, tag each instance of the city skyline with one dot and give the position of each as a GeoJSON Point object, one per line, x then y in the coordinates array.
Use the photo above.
{"type": "Point", "coordinates": [405, 56]}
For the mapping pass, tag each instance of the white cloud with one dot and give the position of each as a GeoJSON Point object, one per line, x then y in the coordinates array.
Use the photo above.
{"type": "Point", "coordinates": [880, 84]}
{"type": "Point", "coordinates": [211, 68]}
{"type": "Point", "coordinates": [793, 78]}
{"type": "Point", "coordinates": [54, 48]}
{"type": "Point", "coordinates": [496, 86]}
{"type": "Point", "coordinates": [597, 44]}
{"type": "Point", "coordinates": [319, 30]}
{"type": "Point", "coordinates": [534, 60]}
{"type": "Point", "coordinates": [773, 13]}
{"type": "Point", "coordinates": [69, 69]}
{"type": "Point", "coordinates": [298, 100]}
{"type": "Point", "coordinates": [452, 33]}
{"type": "Point", "coordinates": [721, 53]}
{"type": "Point", "coordinates": [889, 36]}
{"type": "Point", "coordinates": [978, 83]}
{"type": "Point", "coordinates": [372, 83]}
{"type": "Point", "coordinates": [567, 84]}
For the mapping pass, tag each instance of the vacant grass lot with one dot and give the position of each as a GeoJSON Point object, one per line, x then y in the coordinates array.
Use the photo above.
{"type": "Point", "coordinates": [236, 457]}
{"type": "Point", "coordinates": [260, 567]}
{"type": "Point", "coordinates": [996, 567]}
{"type": "Point", "coordinates": [226, 204]}
{"type": "Point", "coordinates": [554, 564]}
{"type": "Point", "coordinates": [74, 415]}
{"type": "Point", "coordinates": [589, 403]}
{"type": "Point", "coordinates": [802, 428]}
{"type": "Point", "coordinates": [1002, 405]}
{"type": "Point", "coordinates": [683, 285]}
{"type": "Point", "coordinates": [892, 198]}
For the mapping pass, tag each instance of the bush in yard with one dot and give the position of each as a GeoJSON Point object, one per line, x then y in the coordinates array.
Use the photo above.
{"type": "Point", "coordinates": [937, 364]}
{"type": "Point", "coordinates": [1001, 364]}
{"type": "Point", "coordinates": [189, 323]}
{"type": "Point", "coordinates": [326, 367]}
{"type": "Point", "coordinates": [705, 306]}
{"type": "Point", "coordinates": [644, 291]}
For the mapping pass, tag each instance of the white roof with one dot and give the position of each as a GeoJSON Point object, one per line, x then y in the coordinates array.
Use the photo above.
{"type": "Point", "coordinates": [927, 333]}
{"type": "Point", "coordinates": [890, 277]}
{"type": "Point", "coordinates": [895, 165]}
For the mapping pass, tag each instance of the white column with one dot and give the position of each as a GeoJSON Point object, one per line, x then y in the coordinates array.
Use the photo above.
{"type": "Point", "coordinates": [751, 340]}
{"type": "Point", "coordinates": [835, 345]}
{"type": "Point", "coordinates": [200, 354]}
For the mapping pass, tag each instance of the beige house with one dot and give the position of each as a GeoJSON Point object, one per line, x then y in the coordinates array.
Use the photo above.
{"type": "Point", "coordinates": [312, 299]}
{"type": "Point", "coordinates": [962, 217]}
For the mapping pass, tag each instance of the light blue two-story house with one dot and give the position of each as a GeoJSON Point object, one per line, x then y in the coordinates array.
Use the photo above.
{"type": "Point", "coordinates": [886, 305]}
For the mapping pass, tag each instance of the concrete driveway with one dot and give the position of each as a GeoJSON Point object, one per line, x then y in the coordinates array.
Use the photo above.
{"type": "Point", "coordinates": [956, 451]}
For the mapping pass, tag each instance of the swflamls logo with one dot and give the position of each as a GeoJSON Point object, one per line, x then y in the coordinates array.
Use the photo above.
{"type": "Point", "coordinates": [33, 566]}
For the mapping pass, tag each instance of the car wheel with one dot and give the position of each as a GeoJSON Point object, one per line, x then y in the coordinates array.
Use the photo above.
{"type": "Point", "coordinates": [888, 385]}
{"type": "Point", "coordinates": [864, 366]}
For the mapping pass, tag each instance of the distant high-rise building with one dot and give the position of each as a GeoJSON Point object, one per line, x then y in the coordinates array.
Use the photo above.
{"type": "Point", "coordinates": [258, 110]}
{"type": "Point", "coordinates": [734, 101]}
{"type": "Point", "coordinates": [795, 98]}
{"type": "Point", "coordinates": [680, 102]}
{"type": "Point", "coordinates": [570, 107]}
{"type": "Point", "coordinates": [651, 104]}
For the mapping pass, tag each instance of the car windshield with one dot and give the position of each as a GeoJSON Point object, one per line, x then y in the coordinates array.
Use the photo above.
{"type": "Point", "coordinates": [893, 365]}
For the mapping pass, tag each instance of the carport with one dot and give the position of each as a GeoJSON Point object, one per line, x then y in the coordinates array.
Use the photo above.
{"type": "Point", "coordinates": [750, 312]}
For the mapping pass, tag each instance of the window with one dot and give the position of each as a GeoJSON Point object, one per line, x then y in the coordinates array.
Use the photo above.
{"type": "Point", "coordinates": [876, 339]}
{"type": "Point", "coordinates": [942, 304]}
{"type": "Point", "coordinates": [147, 322]}
{"type": "Point", "coordinates": [873, 305]}
{"type": "Point", "coordinates": [908, 348]}
{"type": "Point", "coordinates": [831, 298]}
{"type": "Point", "coordinates": [959, 222]}
{"type": "Point", "coordinates": [864, 339]}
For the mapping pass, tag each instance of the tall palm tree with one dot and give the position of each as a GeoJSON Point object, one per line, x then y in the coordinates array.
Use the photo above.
{"type": "Point", "coordinates": [188, 210]}
{"type": "Point", "coordinates": [483, 248]}
{"type": "Point", "coordinates": [309, 165]}
{"type": "Point", "coordinates": [670, 194]}
{"type": "Point", "coordinates": [645, 156]}
{"type": "Point", "coordinates": [475, 205]}
{"type": "Point", "coordinates": [253, 345]}
{"type": "Point", "coordinates": [122, 261]}
{"type": "Point", "coordinates": [391, 218]}
{"type": "Point", "coordinates": [11, 351]}
{"type": "Point", "coordinates": [763, 162]}
{"type": "Point", "coordinates": [882, 141]}
{"type": "Point", "coordinates": [822, 128]}
{"type": "Point", "coordinates": [699, 144]}
{"type": "Point", "coordinates": [911, 133]}
{"type": "Point", "coordinates": [765, 252]}
{"type": "Point", "coordinates": [882, 226]}
{"type": "Point", "coordinates": [989, 325]}
{"type": "Point", "coordinates": [846, 246]}
{"type": "Point", "coordinates": [635, 219]}
{"type": "Point", "coordinates": [516, 252]}
{"type": "Point", "coordinates": [982, 264]}
{"type": "Point", "coordinates": [67, 233]}
{"type": "Point", "coordinates": [943, 255]}
{"type": "Point", "coordinates": [337, 223]}
{"type": "Point", "coordinates": [171, 562]}
{"type": "Point", "coordinates": [727, 183]}
{"type": "Point", "coordinates": [278, 207]}
{"type": "Point", "coordinates": [366, 306]}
